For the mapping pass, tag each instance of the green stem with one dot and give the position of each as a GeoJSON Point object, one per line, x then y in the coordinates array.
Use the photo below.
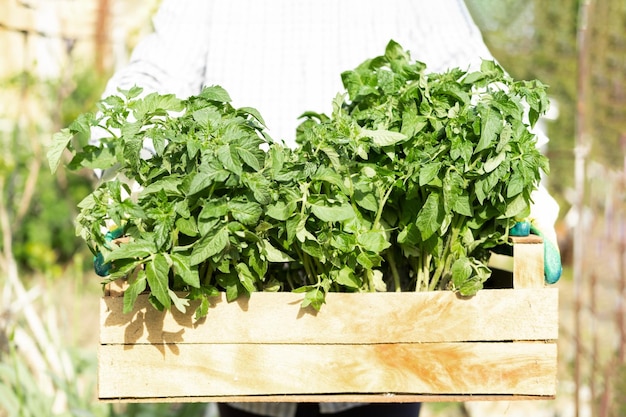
{"type": "Point", "coordinates": [309, 268]}
{"type": "Point", "coordinates": [420, 271]}
{"type": "Point", "coordinates": [426, 260]}
{"type": "Point", "coordinates": [391, 259]}
{"type": "Point", "coordinates": [445, 263]}
{"type": "Point", "coordinates": [381, 206]}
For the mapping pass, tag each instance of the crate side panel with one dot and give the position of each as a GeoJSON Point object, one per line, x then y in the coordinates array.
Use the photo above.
{"type": "Point", "coordinates": [202, 370]}
{"type": "Point", "coordinates": [441, 316]}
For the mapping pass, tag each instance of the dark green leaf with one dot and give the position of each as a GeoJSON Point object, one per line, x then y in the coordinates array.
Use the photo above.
{"type": "Point", "coordinates": [246, 212]}
{"type": "Point", "coordinates": [430, 216]}
{"type": "Point", "coordinates": [209, 245]}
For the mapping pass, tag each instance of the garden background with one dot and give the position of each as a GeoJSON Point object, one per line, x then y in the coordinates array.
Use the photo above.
{"type": "Point", "coordinates": [56, 57]}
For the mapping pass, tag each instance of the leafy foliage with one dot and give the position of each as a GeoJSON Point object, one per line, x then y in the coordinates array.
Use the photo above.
{"type": "Point", "coordinates": [444, 164]}
{"type": "Point", "coordinates": [406, 186]}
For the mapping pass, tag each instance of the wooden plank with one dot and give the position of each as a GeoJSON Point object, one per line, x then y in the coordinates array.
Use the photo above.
{"type": "Point", "coordinates": [189, 370]}
{"type": "Point", "coordinates": [528, 258]}
{"type": "Point", "coordinates": [441, 316]}
{"type": "Point", "coordinates": [363, 398]}
{"type": "Point", "coordinates": [367, 347]}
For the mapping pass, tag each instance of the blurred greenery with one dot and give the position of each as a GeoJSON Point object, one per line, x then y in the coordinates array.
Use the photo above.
{"type": "Point", "coordinates": [43, 237]}
{"type": "Point", "coordinates": [537, 40]}
{"type": "Point", "coordinates": [619, 406]}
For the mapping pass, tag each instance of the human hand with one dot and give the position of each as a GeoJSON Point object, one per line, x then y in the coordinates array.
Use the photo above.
{"type": "Point", "coordinates": [104, 268]}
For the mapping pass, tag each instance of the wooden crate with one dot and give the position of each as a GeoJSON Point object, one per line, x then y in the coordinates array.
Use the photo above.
{"type": "Point", "coordinates": [370, 347]}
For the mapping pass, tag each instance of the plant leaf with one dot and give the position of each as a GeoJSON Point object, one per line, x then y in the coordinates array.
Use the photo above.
{"type": "Point", "coordinates": [333, 213]}
{"type": "Point", "coordinates": [60, 141]}
{"type": "Point", "coordinates": [208, 246]}
{"type": "Point", "coordinates": [429, 217]}
{"type": "Point", "coordinates": [157, 272]}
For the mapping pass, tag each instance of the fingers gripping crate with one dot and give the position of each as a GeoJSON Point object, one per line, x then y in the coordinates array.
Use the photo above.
{"type": "Point", "coordinates": [370, 347]}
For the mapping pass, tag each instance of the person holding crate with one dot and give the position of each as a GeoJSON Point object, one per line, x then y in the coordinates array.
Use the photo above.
{"type": "Point", "coordinates": [284, 57]}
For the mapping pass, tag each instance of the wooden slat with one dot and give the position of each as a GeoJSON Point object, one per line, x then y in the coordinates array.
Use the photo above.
{"type": "Point", "coordinates": [441, 316]}
{"type": "Point", "coordinates": [528, 258]}
{"type": "Point", "coordinates": [372, 347]}
{"type": "Point", "coordinates": [317, 398]}
{"type": "Point", "coordinates": [188, 370]}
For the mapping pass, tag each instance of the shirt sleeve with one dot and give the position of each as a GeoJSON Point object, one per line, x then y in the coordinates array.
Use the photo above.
{"type": "Point", "coordinates": [172, 59]}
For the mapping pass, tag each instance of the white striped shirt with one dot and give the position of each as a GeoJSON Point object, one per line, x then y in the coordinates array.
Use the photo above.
{"type": "Point", "coordinates": [284, 57]}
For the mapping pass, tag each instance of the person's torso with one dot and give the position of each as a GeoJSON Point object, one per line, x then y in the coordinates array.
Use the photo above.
{"type": "Point", "coordinates": [285, 57]}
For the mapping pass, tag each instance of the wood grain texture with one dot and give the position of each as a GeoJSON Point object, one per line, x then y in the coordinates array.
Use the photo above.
{"type": "Point", "coordinates": [438, 316]}
{"type": "Point", "coordinates": [528, 263]}
{"type": "Point", "coordinates": [188, 370]}
{"type": "Point", "coordinates": [366, 347]}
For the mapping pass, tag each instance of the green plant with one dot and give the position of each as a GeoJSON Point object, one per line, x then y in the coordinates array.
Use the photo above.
{"type": "Point", "coordinates": [441, 165]}
{"type": "Point", "coordinates": [407, 185]}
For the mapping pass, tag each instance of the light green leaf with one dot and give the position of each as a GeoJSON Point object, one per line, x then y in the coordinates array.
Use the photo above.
{"type": "Point", "coordinates": [428, 173]}
{"type": "Point", "coordinates": [461, 271]}
{"type": "Point", "coordinates": [182, 267]}
{"type": "Point", "coordinates": [229, 159]}
{"type": "Point", "coordinates": [157, 272]}
{"type": "Point", "coordinates": [330, 176]}
{"type": "Point", "coordinates": [429, 217]}
{"type": "Point", "coordinates": [249, 158]}
{"type": "Point", "coordinates": [333, 213]}
{"type": "Point", "coordinates": [368, 260]}
{"type": "Point", "coordinates": [206, 115]}
{"type": "Point", "coordinates": [137, 249]}
{"type": "Point", "coordinates": [366, 200]}
{"type": "Point", "coordinates": [216, 93]}
{"type": "Point", "coordinates": [136, 286]}
{"type": "Point", "coordinates": [274, 255]}
{"type": "Point", "coordinates": [246, 277]}
{"type": "Point", "coordinates": [230, 282]}
{"type": "Point", "coordinates": [517, 208]}
{"type": "Point", "coordinates": [373, 240]}
{"type": "Point", "coordinates": [181, 304]}
{"type": "Point", "coordinates": [462, 204]}
{"type": "Point", "coordinates": [515, 185]}
{"type": "Point", "coordinates": [314, 298]}
{"type": "Point", "coordinates": [346, 277]}
{"type": "Point", "coordinates": [383, 137]}
{"type": "Point", "coordinates": [490, 127]}
{"type": "Point", "coordinates": [187, 226]}
{"type": "Point", "coordinates": [206, 176]}
{"type": "Point", "coordinates": [168, 184]}
{"type": "Point", "coordinates": [494, 161]}
{"type": "Point", "coordinates": [281, 210]}
{"type": "Point", "coordinates": [254, 113]}
{"type": "Point", "coordinates": [60, 140]}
